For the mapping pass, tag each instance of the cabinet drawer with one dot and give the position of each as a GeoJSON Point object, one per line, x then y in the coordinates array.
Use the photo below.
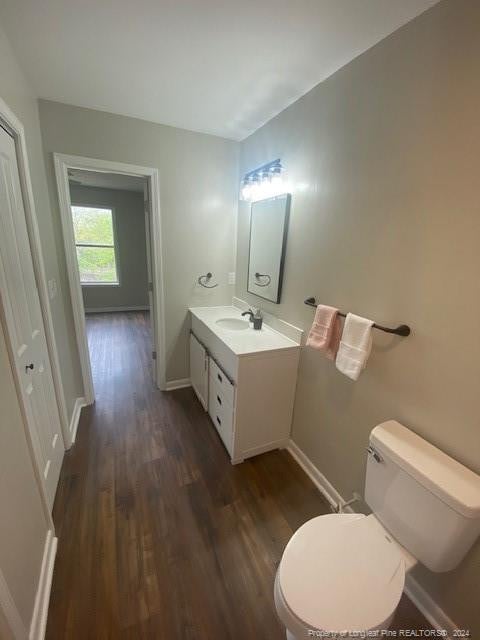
{"type": "Point", "coordinates": [217, 400]}
{"type": "Point", "coordinates": [222, 416]}
{"type": "Point", "coordinates": [219, 379]}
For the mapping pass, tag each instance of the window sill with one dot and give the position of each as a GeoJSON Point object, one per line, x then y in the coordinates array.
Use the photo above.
{"type": "Point", "coordinates": [100, 284]}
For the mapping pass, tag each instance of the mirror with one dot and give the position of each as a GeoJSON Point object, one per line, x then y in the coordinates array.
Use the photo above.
{"type": "Point", "coordinates": [268, 239]}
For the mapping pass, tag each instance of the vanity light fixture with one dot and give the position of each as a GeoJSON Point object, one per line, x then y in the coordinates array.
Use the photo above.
{"type": "Point", "coordinates": [264, 182]}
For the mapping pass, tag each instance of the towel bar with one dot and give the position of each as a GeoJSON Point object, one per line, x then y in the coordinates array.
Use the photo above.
{"type": "Point", "coordinates": [402, 330]}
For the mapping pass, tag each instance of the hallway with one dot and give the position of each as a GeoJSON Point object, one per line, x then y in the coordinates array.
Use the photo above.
{"type": "Point", "coordinates": [160, 537]}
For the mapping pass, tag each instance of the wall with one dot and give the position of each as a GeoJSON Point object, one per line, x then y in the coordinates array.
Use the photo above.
{"type": "Point", "coordinates": [385, 222]}
{"type": "Point", "coordinates": [198, 193]}
{"type": "Point", "coordinates": [131, 248]}
{"type": "Point", "coordinates": [15, 91]}
{"type": "Point", "coordinates": [23, 526]}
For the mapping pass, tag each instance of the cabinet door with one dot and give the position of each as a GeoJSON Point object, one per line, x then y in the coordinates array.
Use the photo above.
{"type": "Point", "coordinates": [221, 413]}
{"type": "Point", "coordinates": [199, 370]}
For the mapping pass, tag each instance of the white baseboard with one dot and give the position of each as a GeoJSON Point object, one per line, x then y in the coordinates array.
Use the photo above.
{"type": "Point", "coordinates": [270, 446]}
{"type": "Point", "coordinates": [427, 605]}
{"type": "Point", "coordinates": [42, 598]}
{"type": "Point", "coordinates": [112, 309]}
{"type": "Point", "coordinates": [171, 385]}
{"type": "Point", "coordinates": [417, 594]}
{"type": "Point", "coordinates": [73, 426]}
{"type": "Point", "coordinates": [316, 476]}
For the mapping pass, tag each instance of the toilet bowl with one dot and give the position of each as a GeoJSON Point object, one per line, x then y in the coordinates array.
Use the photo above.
{"type": "Point", "coordinates": [338, 573]}
{"type": "Point", "coordinates": [344, 573]}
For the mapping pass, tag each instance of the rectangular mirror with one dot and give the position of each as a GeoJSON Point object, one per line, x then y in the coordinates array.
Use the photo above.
{"type": "Point", "coordinates": [268, 240]}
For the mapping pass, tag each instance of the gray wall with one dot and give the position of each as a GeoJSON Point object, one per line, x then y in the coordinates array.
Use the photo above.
{"type": "Point", "coordinates": [385, 222]}
{"type": "Point", "coordinates": [23, 526]}
{"type": "Point", "coordinates": [198, 199]}
{"type": "Point", "coordinates": [131, 248]}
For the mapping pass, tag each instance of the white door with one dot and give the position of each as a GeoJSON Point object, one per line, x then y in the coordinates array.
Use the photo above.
{"type": "Point", "coordinates": [24, 323]}
{"type": "Point", "coordinates": [199, 370]}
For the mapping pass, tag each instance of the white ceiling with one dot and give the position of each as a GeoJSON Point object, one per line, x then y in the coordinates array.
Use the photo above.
{"type": "Point", "coordinates": [103, 180]}
{"type": "Point", "coordinates": [218, 66]}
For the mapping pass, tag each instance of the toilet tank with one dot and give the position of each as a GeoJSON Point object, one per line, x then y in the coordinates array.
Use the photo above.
{"type": "Point", "coordinates": [428, 501]}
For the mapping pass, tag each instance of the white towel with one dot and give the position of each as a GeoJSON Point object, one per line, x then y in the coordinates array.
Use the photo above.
{"type": "Point", "coordinates": [355, 346]}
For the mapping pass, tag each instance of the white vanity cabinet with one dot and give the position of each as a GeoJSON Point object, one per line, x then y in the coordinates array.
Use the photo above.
{"type": "Point", "coordinates": [199, 370]}
{"type": "Point", "coordinates": [251, 382]}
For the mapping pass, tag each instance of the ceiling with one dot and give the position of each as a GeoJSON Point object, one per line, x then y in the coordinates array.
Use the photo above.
{"type": "Point", "coordinates": [217, 66]}
{"type": "Point", "coordinates": [117, 181]}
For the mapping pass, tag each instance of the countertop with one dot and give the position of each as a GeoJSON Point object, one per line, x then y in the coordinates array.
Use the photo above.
{"type": "Point", "coordinates": [245, 341]}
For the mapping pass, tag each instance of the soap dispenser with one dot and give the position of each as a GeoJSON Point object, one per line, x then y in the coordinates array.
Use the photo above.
{"type": "Point", "coordinates": [257, 320]}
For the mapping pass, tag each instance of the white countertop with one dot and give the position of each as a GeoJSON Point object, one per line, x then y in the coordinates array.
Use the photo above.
{"type": "Point", "coordinates": [245, 341]}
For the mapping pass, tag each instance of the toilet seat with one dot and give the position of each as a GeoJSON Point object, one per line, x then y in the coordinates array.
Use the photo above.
{"type": "Point", "coordinates": [340, 572]}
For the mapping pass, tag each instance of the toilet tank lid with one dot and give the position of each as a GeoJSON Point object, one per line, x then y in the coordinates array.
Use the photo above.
{"type": "Point", "coordinates": [450, 481]}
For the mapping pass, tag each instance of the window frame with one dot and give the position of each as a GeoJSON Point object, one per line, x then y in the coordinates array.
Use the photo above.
{"type": "Point", "coordinates": [106, 246]}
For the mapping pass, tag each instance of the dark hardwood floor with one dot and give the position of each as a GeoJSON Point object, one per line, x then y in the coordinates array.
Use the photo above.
{"type": "Point", "coordinates": [159, 535]}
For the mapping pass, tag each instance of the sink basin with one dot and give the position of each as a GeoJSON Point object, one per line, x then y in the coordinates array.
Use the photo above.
{"type": "Point", "coordinates": [233, 324]}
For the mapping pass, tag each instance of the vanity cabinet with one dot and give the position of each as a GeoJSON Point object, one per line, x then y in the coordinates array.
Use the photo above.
{"type": "Point", "coordinates": [251, 383]}
{"type": "Point", "coordinates": [199, 370]}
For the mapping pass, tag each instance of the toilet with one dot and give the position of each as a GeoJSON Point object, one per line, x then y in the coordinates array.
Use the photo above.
{"type": "Point", "coordinates": [345, 572]}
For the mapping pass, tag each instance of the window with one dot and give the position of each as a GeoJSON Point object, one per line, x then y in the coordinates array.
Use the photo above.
{"type": "Point", "coordinates": [95, 243]}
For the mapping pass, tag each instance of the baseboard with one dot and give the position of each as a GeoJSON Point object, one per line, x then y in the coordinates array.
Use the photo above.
{"type": "Point", "coordinates": [430, 609]}
{"type": "Point", "coordinates": [417, 594]}
{"type": "Point", "coordinates": [171, 385]}
{"type": "Point", "coordinates": [328, 491]}
{"type": "Point", "coordinates": [73, 426]}
{"type": "Point", "coordinates": [113, 309]}
{"type": "Point", "coordinates": [255, 451]}
{"type": "Point", "coordinates": [42, 598]}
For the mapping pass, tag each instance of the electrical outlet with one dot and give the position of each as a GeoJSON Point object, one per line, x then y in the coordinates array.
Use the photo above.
{"type": "Point", "coordinates": [52, 288]}
{"type": "Point", "coordinates": [231, 277]}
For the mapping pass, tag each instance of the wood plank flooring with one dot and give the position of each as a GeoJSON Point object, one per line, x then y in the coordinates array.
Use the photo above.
{"type": "Point", "coordinates": [159, 535]}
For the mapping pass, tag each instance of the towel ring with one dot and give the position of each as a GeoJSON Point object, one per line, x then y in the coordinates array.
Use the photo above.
{"type": "Point", "coordinates": [262, 275]}
{"type": "Point", "coordinates": [202, 280]}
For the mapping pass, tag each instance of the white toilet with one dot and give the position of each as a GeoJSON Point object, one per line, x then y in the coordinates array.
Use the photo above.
{"type": "Point", "coordinates": [346, 572]}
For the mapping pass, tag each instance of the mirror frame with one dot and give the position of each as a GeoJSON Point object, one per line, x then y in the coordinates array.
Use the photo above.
{"type": "Point", "coordinates": [288, 199]}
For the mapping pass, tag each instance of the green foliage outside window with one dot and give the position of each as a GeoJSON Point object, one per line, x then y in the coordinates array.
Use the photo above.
{"type": "Point", "coordinates": [94, 238]}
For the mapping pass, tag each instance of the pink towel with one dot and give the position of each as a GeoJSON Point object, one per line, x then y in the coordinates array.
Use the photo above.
{"type": "Point", "coordinates": [326, 331]}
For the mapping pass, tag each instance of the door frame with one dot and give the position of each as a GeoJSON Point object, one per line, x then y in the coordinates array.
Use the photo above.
{"type": "Point", "coordinates": [64, 162]}
{"type": "Point", "coordinates": [12, 125]}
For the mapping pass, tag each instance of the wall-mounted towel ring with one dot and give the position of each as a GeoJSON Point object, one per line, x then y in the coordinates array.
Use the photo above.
{"type": "Point", "coordinates": [262, 275]}
{"type": "Point", "coordinates": [202, 281]}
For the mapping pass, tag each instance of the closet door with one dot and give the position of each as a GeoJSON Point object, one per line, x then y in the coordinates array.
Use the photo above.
{"type": "Point", "coordinates": [24, 324]}
{"type": "Point", "coordinates": [199, 370]}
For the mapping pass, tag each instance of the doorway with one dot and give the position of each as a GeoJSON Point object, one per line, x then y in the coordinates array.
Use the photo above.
{"type": "Point", "coordinates": [111, 229]}
{"type": "Point", "coordinates": [112, 235]}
